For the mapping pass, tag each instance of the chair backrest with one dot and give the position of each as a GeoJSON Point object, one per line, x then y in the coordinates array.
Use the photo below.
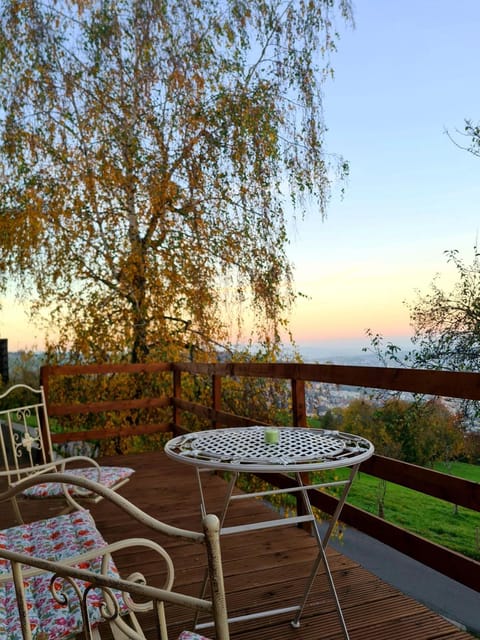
{"type": "Point", "coordinates": [25, 443]}
{"type": "Point", "coordinates": [72, 581]}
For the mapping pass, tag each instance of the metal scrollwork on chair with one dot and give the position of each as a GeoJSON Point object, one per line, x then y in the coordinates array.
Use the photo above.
{"type": "Point", "coordinates": [65, 582]}
{"type": "Point", "coordinates": [26, 449]}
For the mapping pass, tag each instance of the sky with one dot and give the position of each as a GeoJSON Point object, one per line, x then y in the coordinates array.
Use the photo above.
{"type": "Point", "coordinates": [406, 74]}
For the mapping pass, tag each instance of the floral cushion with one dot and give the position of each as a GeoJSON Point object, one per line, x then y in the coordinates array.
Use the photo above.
{"type": "Point", "coordinates": [54, 539]}
{"type": "Point", "coordinates": [190, 635]}
{"type": "Point", "coordinates": [109, 477]}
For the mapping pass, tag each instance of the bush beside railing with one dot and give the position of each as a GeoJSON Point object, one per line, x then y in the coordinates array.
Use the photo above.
{"type": "Point", "coordinates": [436, 383]}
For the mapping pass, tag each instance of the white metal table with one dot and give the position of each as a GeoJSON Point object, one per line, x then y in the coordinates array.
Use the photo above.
{"type": "Point", "coordinates": [288, 450]}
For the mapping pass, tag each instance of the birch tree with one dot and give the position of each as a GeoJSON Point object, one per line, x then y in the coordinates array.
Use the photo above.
{"type": "Point", "coordinates": [150, 151]}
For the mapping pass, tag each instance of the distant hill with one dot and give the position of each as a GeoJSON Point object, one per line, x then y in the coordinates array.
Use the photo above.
{"type": "Point", "coordinates": [348, 352]}
{"type": "Point", "coordinates": [314, 355]}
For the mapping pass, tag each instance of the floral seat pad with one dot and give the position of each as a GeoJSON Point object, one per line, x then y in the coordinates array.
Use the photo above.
{"type": "Point", "coordinates": [109, 477]}
{"type": "Point", "coordinates": [190, 635]}
{"type": "Point", "coordinates": [54, 539]}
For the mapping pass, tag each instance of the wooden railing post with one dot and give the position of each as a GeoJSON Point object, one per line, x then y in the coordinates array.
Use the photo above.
{"type": "Point", "coordinates": [299, 419]}
{"type": "Point", "coordinates": [216, 398]}
{"type": "Point", "coordinates": [299, 412]}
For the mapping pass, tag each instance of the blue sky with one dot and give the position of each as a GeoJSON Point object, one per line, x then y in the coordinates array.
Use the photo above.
{"type": "Point", "coordinates": [407, 73]}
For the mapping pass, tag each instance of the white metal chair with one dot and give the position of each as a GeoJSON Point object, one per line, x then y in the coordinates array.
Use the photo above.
{"type": "Point", "coordinates": [26, 450]}
{"type": "Point", "coordinates": [59, 580]}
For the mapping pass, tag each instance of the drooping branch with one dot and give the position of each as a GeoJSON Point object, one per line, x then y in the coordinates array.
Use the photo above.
{"type": "Point", "coordinates": [147, 153]}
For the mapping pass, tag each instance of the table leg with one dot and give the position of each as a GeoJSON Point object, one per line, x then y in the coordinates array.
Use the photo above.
{"type": "Point", "coordinates": [322, 546]}
{"type": "Point", "coordinates": [321, 556]}
{"type": "Point", "coordinates": [226, 502]}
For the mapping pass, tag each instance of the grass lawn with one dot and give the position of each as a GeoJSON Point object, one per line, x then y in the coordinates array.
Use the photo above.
{"type": "Point", "coordinates": [437, 520]}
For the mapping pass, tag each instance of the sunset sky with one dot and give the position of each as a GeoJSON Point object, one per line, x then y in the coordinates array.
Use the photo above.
{"type": "Point", "coordinates": [407, 73]}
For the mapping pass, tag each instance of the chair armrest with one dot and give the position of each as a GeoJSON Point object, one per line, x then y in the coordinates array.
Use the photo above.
{"type": "Point", "coordinates": [112, 496]}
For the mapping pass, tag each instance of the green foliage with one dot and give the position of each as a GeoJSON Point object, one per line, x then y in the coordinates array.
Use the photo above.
{"type": "Point", "coordinates": [420, 432]}
{"type": "Point", "coordinates": [472, 447]}
{"type": "Point", "coordinates": [331, 419]}
{"type": "Point", "coordinates": [147, 150]}
{"type": "Point", "coordinates": [446, 325]}
{"type": "Point", "coordinates": [84, 389]}
{"type": "Point", "coordinates": [471, 131]}
{"type": "Point", "coordinates": [24, 368]}
{"type": "Point", "coordinates": [262, 399]}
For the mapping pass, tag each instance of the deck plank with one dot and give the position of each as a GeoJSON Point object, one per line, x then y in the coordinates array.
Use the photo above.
{"type": "Point", "coordinates": [263, 569]}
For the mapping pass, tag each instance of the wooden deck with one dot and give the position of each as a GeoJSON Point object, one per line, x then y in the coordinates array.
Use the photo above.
{"type": "Point", "coordinates": [265, 569]}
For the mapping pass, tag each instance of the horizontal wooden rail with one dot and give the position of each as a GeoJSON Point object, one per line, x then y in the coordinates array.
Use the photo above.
{"type": "Point", "coordinates": [105, 406]}
{"type": "Point", "coordinates": [105, 434]}
{"type": "Point", "coordinates": [452, 384]}
{"type": "Point", "coordinates": [463, 493]}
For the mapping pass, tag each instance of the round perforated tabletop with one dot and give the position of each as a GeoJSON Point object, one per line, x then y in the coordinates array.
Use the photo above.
{"type": "Point", "coordinates": [245, 449]}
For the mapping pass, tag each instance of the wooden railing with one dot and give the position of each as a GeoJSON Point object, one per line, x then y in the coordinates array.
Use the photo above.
{"type": "Point", "coordinates": [437, 383]}
{"type": "Point", "coordinates": [96, 407]}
